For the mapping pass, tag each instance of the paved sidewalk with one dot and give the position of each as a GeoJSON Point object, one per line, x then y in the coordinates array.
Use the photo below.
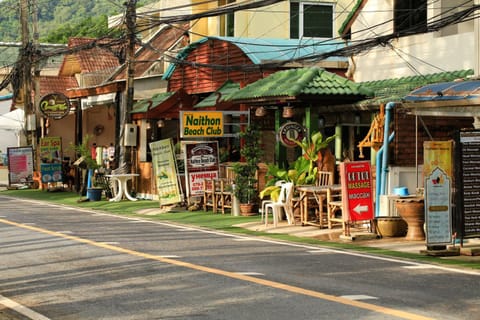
{"type": "Point", "coordinates": [362, 238]}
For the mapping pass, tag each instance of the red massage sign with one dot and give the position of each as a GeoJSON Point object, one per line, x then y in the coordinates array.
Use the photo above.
{"type": "Point", "coordinates": [357, 190]}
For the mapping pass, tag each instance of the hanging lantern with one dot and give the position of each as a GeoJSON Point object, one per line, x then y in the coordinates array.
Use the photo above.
{"type": "Point", "coordinates": [288, 112]}
{"type": "Point", "coordinates": [260, 112]}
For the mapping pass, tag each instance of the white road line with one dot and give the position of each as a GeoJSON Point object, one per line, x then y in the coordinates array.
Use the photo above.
{"type": "Point", "coordinates": [420, 266]}
{"type": "Point", "coordinates": [317, 251]}
{"type": "Point", "coordinates": [21, 309]}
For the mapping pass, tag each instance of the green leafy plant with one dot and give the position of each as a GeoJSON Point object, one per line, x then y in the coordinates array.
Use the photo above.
{"type": "Point", "coordinates": [245, 172]}
{"type": "Point", "coordinates": [83, 150]}
{"type": "Point", "coordinates": [303, 171]}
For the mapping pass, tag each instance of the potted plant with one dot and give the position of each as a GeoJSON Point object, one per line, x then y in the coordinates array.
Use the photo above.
{"type": "Point", "coordinates": [246, 172]}
{"type": "Point", "coordinates": [86, 162]}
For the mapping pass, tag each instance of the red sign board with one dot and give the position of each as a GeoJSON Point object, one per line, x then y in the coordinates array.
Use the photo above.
{"type": "Point", "coordinates": [357, 190]}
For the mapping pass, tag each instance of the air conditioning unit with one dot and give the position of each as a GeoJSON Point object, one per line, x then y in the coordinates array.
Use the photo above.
{"type": "Point", "coordinates": [387, 206]}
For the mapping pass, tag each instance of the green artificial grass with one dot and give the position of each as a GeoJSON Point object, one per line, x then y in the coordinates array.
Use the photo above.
{"type": "Point", "coordinates": [226, 222]}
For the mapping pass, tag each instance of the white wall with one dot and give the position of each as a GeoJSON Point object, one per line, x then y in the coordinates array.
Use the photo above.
{"type": "Point", "coordinates": [413, 55]}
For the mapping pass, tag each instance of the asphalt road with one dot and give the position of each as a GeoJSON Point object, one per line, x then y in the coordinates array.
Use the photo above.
{"type": "Point", "coordinates": [65, 263]}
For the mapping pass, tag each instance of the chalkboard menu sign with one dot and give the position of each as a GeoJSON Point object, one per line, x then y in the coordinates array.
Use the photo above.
{"type": "Point", "coordinates": [468, 182]}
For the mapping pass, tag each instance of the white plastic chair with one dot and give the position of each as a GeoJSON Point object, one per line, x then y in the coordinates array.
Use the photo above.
{"type": "Point", "coordinates": [265, 202]}
{"type": "Point", "coordinates": [283, 202]}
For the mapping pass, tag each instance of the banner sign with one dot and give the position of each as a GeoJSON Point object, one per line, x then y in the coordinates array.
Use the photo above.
{"type": "Point", "coordinates": [198, 124]}
{"type": "Point", "coordinates": [20, 165]}
{"type": "Point", "coordinates": [357, 191]}
{"type": "Point", "coordinates": [50, 150]}
{"type": "Point", "coordinates": [165, 170]}
{"type": "Point", "coordinates": [438, 176]}
{"type": "Point", "coordinates": [201, 162]}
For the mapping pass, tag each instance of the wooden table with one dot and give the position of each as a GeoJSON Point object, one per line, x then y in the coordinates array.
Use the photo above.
{"type": "Point", "coordinates": [121, 180]}
{"type": "Point", "coordinates": [319, 193]}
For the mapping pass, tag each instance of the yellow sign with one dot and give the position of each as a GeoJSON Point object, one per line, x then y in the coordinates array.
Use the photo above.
{"type": "Point", "coordinates": [196, 124]}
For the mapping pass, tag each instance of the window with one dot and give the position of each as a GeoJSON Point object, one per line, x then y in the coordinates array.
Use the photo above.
{"type": "Point", "coordinates": [227, 21]}
{"type": "Point", "coordinates": [449, 7]}
{"type": "Point", "coordinates": [312, 20]}
{"type": "Point", "coordinates": [409, 16]}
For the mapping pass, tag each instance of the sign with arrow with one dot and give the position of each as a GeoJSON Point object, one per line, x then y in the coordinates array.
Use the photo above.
{"type": "Point", "coordinates": [357, 190]}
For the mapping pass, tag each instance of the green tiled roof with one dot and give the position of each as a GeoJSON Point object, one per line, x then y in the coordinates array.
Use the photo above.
{"type": "Point", "coordinates": [393, 90]}
{"type": "Point", "coordinates": [302, 81]}
{"type": "Point", "coordinates": [144, 105]}
{"type": "Point", "coordinates": [226, 89]}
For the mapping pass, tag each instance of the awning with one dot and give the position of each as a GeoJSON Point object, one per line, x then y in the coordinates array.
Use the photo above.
{"type": "Point", "coordinates": [101, 99]}
{"type": "Point", "coordinates": [164, 105]}
{"type": "Point", "coordinates": [217, 98]}
{"type": "Point", "coordinates": [147, 104]}
{"type": "Point", "coordinates": [12, 120]}
{"type": "Point", "coordinates": [453, 99]}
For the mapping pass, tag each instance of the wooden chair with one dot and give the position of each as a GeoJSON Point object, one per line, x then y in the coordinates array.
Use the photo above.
{"type": "Point", "coordinates": [209, 197]}
{"type": "Point", "coordinates": [223, 194]}
{"type": "Point", "coordinates": [334, 206]}
{"type": "Point", "coordinates": [324, 178]}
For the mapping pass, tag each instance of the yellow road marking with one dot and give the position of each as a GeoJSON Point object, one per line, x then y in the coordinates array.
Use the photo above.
{"type": "Point", "coordinates": [233, 275]}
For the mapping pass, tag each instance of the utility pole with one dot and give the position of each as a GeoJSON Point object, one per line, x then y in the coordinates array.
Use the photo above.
{"type": "Point", "coordinates": [36, 72]}
{"type": "Point", "coordinates": [26, 71]}
{"type": "Point", "coordinates": [130, 17]}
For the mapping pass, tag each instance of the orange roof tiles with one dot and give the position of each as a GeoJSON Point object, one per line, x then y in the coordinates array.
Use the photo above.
{"type": "Point", "coordinates": [89, 60]}
{"type": "Point", "coordinates": [50, 84]}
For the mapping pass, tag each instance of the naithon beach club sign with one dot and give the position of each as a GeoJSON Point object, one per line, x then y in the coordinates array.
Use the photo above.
{"type": "Point", "coordinates": [196, 124]}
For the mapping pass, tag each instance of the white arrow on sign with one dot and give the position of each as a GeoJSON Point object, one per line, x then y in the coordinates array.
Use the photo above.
{"type": "Point", "coordinates": [359, 208]}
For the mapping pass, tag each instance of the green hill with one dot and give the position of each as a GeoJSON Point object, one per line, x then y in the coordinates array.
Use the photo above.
{"type": "Point", "coordinates": [60, 19]}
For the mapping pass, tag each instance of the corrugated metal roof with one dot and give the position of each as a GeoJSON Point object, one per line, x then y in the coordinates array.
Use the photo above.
{"type": "Point", "coordinates": [394, 90]}
{"type": "Point", "coordinates": [269, 50]}
{"type": "Point", "coordinates": [453, 90]}
{"type": "Point", "coordinates": [225, 90]}
{"type": "Point", "coordinates": [302, 81]}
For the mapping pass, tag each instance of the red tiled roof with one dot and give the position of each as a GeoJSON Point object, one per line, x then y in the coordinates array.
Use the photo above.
{"type": "Point", "coordinates": [50, 84]}
{"type": "Point", "coordinates": [89, 60]}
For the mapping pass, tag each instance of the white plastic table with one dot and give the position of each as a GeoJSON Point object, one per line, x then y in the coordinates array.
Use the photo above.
{"type": "Point", "coordinates": [121, 180]}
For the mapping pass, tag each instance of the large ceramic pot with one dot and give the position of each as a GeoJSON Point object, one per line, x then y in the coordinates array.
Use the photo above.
{"type": "Point", "coordinates": [413, 212]}
{"type": "Point", "coordinates": [391, 226]}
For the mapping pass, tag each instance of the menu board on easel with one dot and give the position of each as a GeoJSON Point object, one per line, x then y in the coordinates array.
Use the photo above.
{"type": "Point", "coordinates": [20, 165]}
{"type": "Point", "coordinates": [468, 183]}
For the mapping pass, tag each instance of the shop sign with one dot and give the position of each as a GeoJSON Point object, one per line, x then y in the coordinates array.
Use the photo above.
{"type": "Point", "coordinates": [54, 105]}
{"type": "Point", "coordinates": [198, 124]}
{"type": "Point", "coordinates": [201, 162]}
{"type": "Point", "coordinates": [438, 167]}
{"type": "Point", "coordinates": [357, 190]}
{"type": "Point", "coordinates": [290, 132]}
{"type": "Point", "coordinates": [51, 159]}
